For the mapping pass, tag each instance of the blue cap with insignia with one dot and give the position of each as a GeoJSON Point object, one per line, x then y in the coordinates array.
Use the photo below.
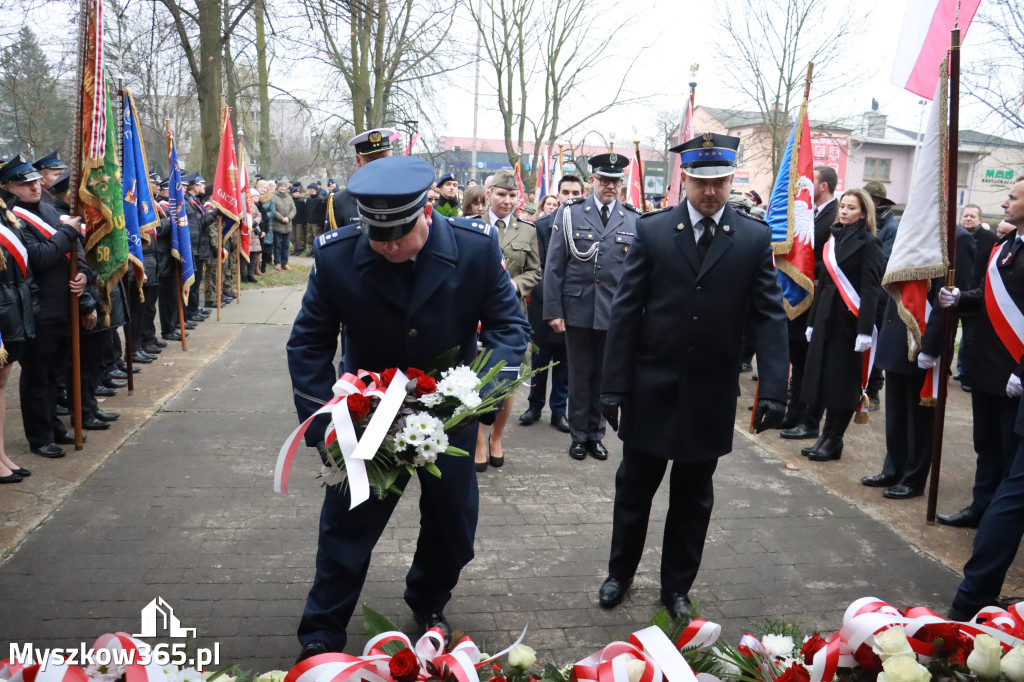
{"type": "Point", "coordinates": [447, 177]}
{"type": "Point", "coordinates": [165, 184]}
{"type": "Point", "coordinates": [62, 184]}
{"type": "Point", "coordinates": [610, 165]}
{"type": "Point", "coordinates": [390, 194]}
{"type": "Point", "coordinates": [50, 162]}
{"type": "Point", "coordinates": [192, 179]}
{"type": "Point", "coordinates": [709, 155]}
{"type": "Point", "coordinates": [373, 141]}
{"type": "Point", "coordinates": [18, 169]}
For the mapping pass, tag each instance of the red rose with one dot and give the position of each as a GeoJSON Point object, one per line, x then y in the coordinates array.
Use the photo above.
{"type": "Point", "coordinates": [413, 373]}
{"type": "Point", "coordinates": [404, 666]}
{"type": "Point", "coordinates": [425, 385]}
{"type": "Point", "coordinates": [795, 673]}
{"type": "Point", "coordinates": [811, 647]}
{"type": "Point", "coordinates": [949, 633]}
{"type": "Point", "coordinates": [358, 406]}
{"type": "Point", "coordinates": [386, 376]}
{"type": "Point", "coordinates": [868, 660]}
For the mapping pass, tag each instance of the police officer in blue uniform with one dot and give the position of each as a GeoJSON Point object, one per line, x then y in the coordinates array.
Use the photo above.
{"type": "Point", "coordinates": [695, 275]}
{"type": "Point", "coordinates": [50, 167]}
{"type": "Point", "coordinates": [589, 241]}
{"type": "Point", "coordinates": [405, 285]}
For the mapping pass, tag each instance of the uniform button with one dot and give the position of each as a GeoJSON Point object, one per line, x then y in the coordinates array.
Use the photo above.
{"type": "Point", "coordinates": [696, 318]}
{"type": "Point", "coordinates": [699, 289]}
{"type": "Point", "coordinates": [413, 333]}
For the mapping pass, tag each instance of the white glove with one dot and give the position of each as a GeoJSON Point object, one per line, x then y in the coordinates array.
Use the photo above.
{"type": "Point", "coordinates": [862, 343]}
{"type": "Point", "coordinates": [925, 361]}
{"type": "Point", "coordinates": [808, 332]}
{"type": "Point", "coordinates": [1013, 387]}
{"type": "Point", "coordinates": [948, 298]}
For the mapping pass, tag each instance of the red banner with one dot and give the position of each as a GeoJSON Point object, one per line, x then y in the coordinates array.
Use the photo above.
{"type": "Point", "coordinates": [226, 196]}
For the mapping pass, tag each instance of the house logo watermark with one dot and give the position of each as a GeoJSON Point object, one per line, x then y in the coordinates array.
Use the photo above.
{"type": "Point", "coordinates": [158, 616]}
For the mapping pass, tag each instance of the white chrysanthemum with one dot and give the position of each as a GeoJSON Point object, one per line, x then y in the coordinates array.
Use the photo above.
{"type": "Point", "coordinates": [430, 399]}
{"type": "Point", "coordinates": [104, 673]}
{"type": "Point", "coordinates": [332, 475]}
{"type": "Point", "coordinates": [778, 645]}
{"type": "Point", "coordinates": [189, 675]}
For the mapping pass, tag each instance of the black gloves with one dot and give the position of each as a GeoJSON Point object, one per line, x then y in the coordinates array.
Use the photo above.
{"type": "Point", "coordinates": [768, 414]}
{"type": "Point", "coordinates": [610, 405]}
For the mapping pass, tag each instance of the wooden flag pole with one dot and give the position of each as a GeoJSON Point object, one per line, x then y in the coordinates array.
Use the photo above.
{"type": "Point", "coordinates": [177, 271]}
{"type": "Point", "coordinates": [220, 262]}
{"type": "Point", "coordinates": [640, 170]}
{"type": "Point", "coordinates": [948, 317]}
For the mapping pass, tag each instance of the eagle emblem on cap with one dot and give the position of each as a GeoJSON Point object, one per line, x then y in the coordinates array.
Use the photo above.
{"type": "Point", "coordinates": [613, 159]}
{"type": "Point", "coordinates": [708, 143]}
{"type": "Point", "coordinates": [375, 137]}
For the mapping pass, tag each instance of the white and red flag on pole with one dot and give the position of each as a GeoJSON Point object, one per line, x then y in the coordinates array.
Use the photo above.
{"type": "Point", "coordinates": [924, 40]}
{"type": "Point", "coordinates": [685, 135]}
{"type": "Point", "coordinates": [635, 174]}
{"type": "Point", "coordinates": [919, 252]}
{"type": "Point", "coordinates": [245, 231]}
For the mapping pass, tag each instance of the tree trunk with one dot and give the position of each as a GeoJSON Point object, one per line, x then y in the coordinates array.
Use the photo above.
{"type": "Point", "coordinates": [209, 85]}
{"type": "Point", "coordinates": [263, 149]}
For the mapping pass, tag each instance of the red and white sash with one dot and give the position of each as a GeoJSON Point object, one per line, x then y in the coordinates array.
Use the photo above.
{"type": "Point", "coordinates": [35, 221]}
{"type": "Point", "coordinates": [1003, 313]}
{"type": "Point", "coordinates": [852, 300]}
{"type": "Point", "coordinates": [930, 390]}
{"type": "Point", "coordinates": [10, 241]}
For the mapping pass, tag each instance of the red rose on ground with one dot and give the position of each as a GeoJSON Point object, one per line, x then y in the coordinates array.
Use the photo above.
{"type": "Point", "coordinates": [358, 406]}
{"type": "Point", "coordinates": [404, 666]}
{"type": "Point", "coordinates": [949, 633]}
{"type": "Point", "coordinates": [386, 376]}
{"type": "Point", "coordinates": [425, 385]}
{"type": "Point", "coordinates": [795, 673]}
{"type": "Point", "coordinates": [811, 647]}
{"type": "Point", "coordinates": [413, 373]}
{"type": "Point", "coordinates": [868, 660]}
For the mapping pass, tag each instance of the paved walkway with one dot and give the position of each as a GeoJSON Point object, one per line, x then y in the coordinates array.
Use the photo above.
{"type": "Point", "coordinates": [184, 510]}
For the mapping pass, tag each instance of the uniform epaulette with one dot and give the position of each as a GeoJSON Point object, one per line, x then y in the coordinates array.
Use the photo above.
{"type": "Point", "coordinates": [650, 213]}
{"type": "Point", "coordinates": [634, 209]}
{"type": "Point", "coordinates": [748, 216]}
{"type": "Point", "coordinates": [577, 200]}
{"type": "Point", "coordinates": [527, 222]}
{"type": "Point", "coordinates": [472, 224]}
{"type": "Point", "coordinates": [339, 235]}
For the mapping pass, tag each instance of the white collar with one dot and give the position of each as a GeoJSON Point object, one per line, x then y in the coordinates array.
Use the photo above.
{"type": "Point", "coordinates": [598, 204]}
{"type": "Point", "coordinates": [493, 218]}
{"type": "Point", "coordinates": [696, 217]}
{"type": "Point", "coordinates": [821, 206]}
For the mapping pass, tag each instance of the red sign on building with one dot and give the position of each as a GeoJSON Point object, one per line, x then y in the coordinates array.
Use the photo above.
{"type": "Point", "coordinates": [833, 152]}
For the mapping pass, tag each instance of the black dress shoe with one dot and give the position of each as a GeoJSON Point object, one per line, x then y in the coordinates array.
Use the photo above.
{"type": "Point", "coordinates": [160, 344]}
{"type": "Point", "coordinates": [94, 424]}
{"type": "Point", "coordinates": [21, 471]}
{"type": "Point", "coordinates": [106, 416]}
{"type": "Point", "coordinates": [172, 336]}
{"type": "Point", "coordinates": [817, 444]}
{"type": "Point", "coordinates": [310, 650]}
{"type": "Point", "coordinates": [560, 422]}
{"type": "Point", "coordinates": [613, 591]}
{"type": "Point", "coordinates": [11, 478]}
{"type": "Point", "coordinates": [62, 411]}
{"type": "Point", "coordinates": [800, 432]}
{"type": "Point", "coordinates": [190, 325]}
{"type": "Point", "coordinates": [196, 318]}
{"type": "Point", "coordinates": [902, 492]}
{"type": "Point", "coordinates": [153, 350]}
{"type": "Point", "coordinates": [677, 605]}
{"type": "Point", "coordinates": [968, 517]}
{"type": "Point", "coordinates": [597, 450]}
{"type": "Point", "coordinates": [789, 421]}
{"type": "Point", "coordinates": [878, 481]}
{"type": "Point", "coordinates": [437, 620]}
{"type": "Point", "coordinates": [104, 391]}
{"type": "Point", "coordinates": [831, 449]}
{"type": "Point", "coordinates": [66, 438]}
{"type": "Point", "coordinates": [117, 374]}
{"type": "Point", "coordinates": [114, 383]}
{"type": "Point", "coordinates": [956, 377]}
{"type": "Point", "coordinates": [481, 466]}
{"type": "Point", "coordinates": [960, 615]}
{"type": "Point", "coordinates": [225, 301]}
{"type": "Point", "coordinates": [141, 357]}
{"type": "Point", "coordinates": [529, 417]}
{"type": "Point", "coordinates": [578, 450]}
{"type": "Point", "coordinates": [52, 451]}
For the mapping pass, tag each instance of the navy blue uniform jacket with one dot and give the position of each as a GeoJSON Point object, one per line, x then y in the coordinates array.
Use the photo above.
{"type": "Point", "coordinates": [459, 282]}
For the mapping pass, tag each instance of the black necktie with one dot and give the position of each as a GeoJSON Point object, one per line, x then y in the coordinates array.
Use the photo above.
{"type": "Point", "coordinates": [704, 242]}
{"type": "Point", "coordinates": [604, 215]}
{"type": "Point", "coordinates": [1007, 260]}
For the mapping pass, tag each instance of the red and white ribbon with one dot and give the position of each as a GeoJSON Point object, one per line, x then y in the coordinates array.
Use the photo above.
{"type": "Point", "coordinates": [1003, 312]}
{"type": "Point", "coordinates": [133, 672]}
{"type": "Point", "coordinates": [930, 389]}
{"type": "Point", "coordinates": [651, 645]}
{"type": "Point", "coordinates": [14, 246]}
{"type": "Point", "coordinates": [699, 633]}
{"type": "Point", "coordinates": [53, 672]}
{"type": "Point", "coordinates": [843, 284]}
{"type": "Point", "coordinates": [355, 451]}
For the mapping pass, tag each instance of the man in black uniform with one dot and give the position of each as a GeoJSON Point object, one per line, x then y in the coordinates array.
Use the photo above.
{"type": "Point", "coordinates": [695, 274]}
{"type": "Point", "coordinates": [370, 145]}
{"type": "Point", "coordinates": [50, 167]}
{"type": "Point", "coordinates": [200, 218]}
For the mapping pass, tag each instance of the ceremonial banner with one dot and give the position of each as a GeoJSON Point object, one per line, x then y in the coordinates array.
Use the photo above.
{"type": "Point", "coordinates": [635, 178]}
{"type": "Point", "coordinates": [685, 135]}
{"type": "Point", "coordinates": [139, 209]}
{"type": "Point", "coordinates": [412, 143]}
{"type": "Point", "coordinates": [181, 240]}
{"type": "Point", "coordinates": [791, 217]}
{"type": "Point", "coordinates": [225, 196]}
{"type": "Point", "coordinates": [100, 188]}
{"type": "Point", "coordinates": [245, 232]}
{"type": "Point", "coordinates": [543, 174]}
{"type": "Point", "coordinates": [522, 191]}
{"type": "Point", "coordinates": [924, 39]}
{"type": "Point", "coordinates": [919, 252]}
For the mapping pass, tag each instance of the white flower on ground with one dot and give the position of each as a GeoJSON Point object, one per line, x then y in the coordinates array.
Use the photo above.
{"type": "Point", "coordinates": [892, 642]}
{"type": "Point", "coordinates": [778, 645]}
{"type": "Point", "coordinates": [189, 675]}
{"type": "Point", "coordinates": [903, 669]}
{"type": "Point", "coordinates": [635, 669]}
{"type": "Point", "coordinates": [522, 657]}
{"type": "Point", "coordinates": [1012, 664]}
{"type": "Point", "coordinates": [984, 660]}
{"type": "Point", "coordinates": [728, 669]}
{"type": "Point", "coordinates": [272, 676]}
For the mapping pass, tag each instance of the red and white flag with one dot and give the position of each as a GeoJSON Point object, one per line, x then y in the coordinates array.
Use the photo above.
{"type": "Point", "coordinates": [685, 135]}
{"type": "Point", "coordinates": [245, 231]}
{"type": "Point", "coordinates": [924, 40]}
{"type": "Point", "coordinates": [226, 196]}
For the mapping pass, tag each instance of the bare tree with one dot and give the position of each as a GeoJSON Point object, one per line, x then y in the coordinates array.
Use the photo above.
{"type": "Point", "coordinates": [765, 46]}
{"type": "Point", "coordinates": [539, 56]}
{"type": "Point", "coordinates": [995, 79]}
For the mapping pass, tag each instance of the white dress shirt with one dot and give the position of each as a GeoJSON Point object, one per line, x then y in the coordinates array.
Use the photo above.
{"type": "Point", "coordinates": [696, 217]}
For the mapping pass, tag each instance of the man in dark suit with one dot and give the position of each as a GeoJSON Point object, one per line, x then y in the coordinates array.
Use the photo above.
{"type": "Point", "coordinates": [550, 344]}
{"type": "Point", "coordinates": [993, 367]}
{"type": "Point", "coordinates": [1002, 523]}
{"type": "Point", "coordinates": [801, 421]}
{"type": "Point", "coordinates": [428, 281]}
{"type": "Point", "coordinates": [695, 273]}
{"type": "Point", "coordinates": [970, 220]}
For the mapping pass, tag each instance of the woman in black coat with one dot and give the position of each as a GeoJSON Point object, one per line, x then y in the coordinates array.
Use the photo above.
{"type": "Point", "coordinates": [837, 337]}
{"type": "Point", "coordinates": [17, 321]}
